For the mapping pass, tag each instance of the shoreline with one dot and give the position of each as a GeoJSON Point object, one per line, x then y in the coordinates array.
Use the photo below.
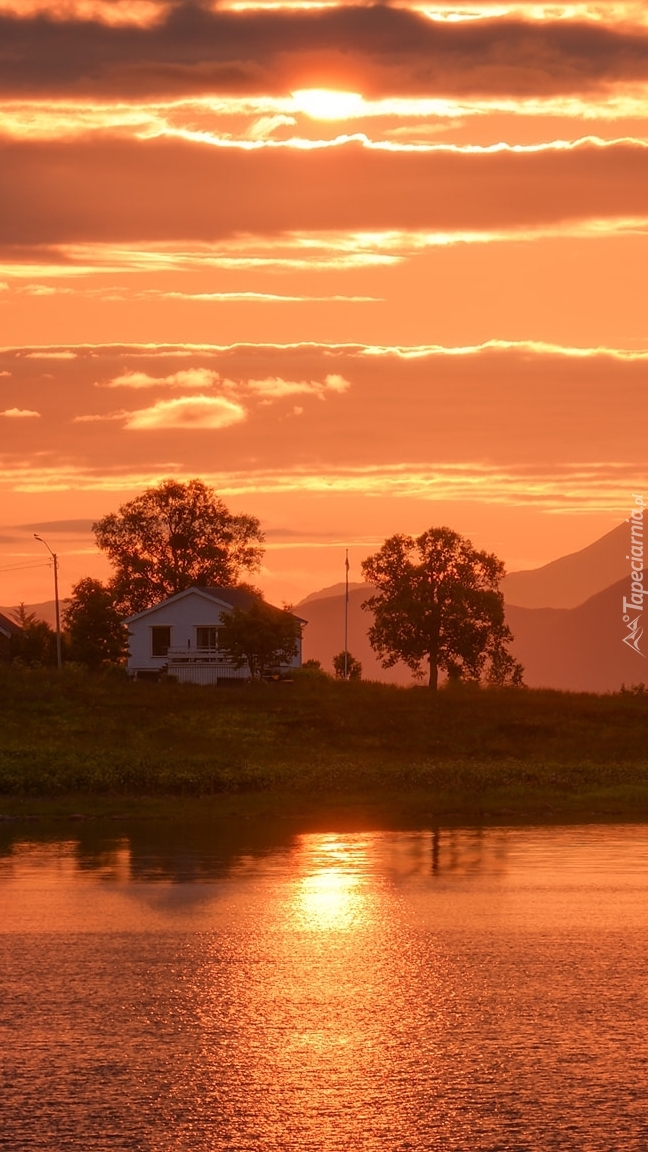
{"type": "Point", "coordinates": [362, 811]}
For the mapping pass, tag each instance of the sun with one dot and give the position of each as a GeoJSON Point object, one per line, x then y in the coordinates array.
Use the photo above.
{"type": "Point", "coordinates": [327, 104]}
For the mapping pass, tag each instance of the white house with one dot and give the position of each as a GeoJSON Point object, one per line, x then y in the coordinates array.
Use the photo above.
{"type": "Point", "coordinates": [179, 637]}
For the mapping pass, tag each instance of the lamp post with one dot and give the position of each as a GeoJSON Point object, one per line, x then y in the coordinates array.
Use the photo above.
{"type": "Point", "coordinates": [59, 656]}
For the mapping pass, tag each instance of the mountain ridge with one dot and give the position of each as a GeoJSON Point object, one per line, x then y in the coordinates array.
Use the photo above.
{"type": "Point", "coordinates": [571, 579]}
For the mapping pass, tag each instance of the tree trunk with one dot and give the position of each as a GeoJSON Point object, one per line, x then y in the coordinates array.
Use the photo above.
{"type": "Point", "coordinates": [434, 674]}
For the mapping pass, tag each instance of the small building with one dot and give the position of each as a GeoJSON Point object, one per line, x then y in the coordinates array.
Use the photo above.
{"type": "Point", "coordinates": [179, 637]}
{"type": "Point", "coordinates": [7, 632]}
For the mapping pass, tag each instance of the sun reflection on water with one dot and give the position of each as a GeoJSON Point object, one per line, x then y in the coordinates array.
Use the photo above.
{"type": "Point", "coordinates": [328, 895]}
{"type": "Point", "coordinates": [453, 989]}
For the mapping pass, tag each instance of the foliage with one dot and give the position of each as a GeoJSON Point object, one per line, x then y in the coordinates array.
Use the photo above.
{"type": "Point", "coordinates": [353, 667]}
{"type": "Point", "coordinates": [22, 617]}
{"type": "Point", "coordinates": [310, 670]}
{"type": "Point", "coordinates": [639, 689]}
{"type": "Point", "coordinates": [35, 645]}
{"type": "Point", "coordinates": [96, 634]}
{"type": "Point", "coordinates": [172, 537]}
{"type": "Point", "coordinates": [103, 735]}
{"type": "Point", "coordinates": [437, 602]}
{"type": "Point", "coordinates": [260, 636]}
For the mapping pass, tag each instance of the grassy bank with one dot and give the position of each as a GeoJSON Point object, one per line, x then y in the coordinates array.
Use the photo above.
{"type": "Point", "coordinates": [307, 744]}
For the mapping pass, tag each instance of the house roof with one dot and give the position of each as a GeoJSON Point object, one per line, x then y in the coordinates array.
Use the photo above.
{"type": "Point", "coordinates": [235, 597]}
{"type": "Point", "coordinates": [8, 627]}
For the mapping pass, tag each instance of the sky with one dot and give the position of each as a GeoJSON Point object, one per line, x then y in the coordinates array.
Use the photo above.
{"type": "Point", "coordinates": [363, 268]}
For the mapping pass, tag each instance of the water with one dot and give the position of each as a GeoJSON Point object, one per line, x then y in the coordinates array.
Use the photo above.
{"type": "Point", "coordinates": [165, 991]}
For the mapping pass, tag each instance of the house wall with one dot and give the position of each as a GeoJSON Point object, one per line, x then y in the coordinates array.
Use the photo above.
{"type": "Point", "coordinates": [182, 616]}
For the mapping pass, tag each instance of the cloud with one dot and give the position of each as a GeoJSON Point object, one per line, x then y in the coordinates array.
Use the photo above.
{"type": "Point", "coordinates": [140, 193]}
{"type": "Point", "coordinates": [297, 251]}
{"type": "Point", "coordinates": [192, 412]}
{"type": "Point", "coordinates": [267, 389]}
{"type": "Point", "coordinates": [51, 355]}
{"type": "Point", "coordinates": [114, 13]}
{"type": "Point", "coordinates": [375, 49]}
{"type": "Point", "coordinates": [19, 413]}
{"type": "Point", "coordinates": [187, 378]}
{"type": "Point", "coordinates": [255, 298]}
{"type": "Point", "coordinates": [411, 414]}
{"type": "Point", "coordinates": [273, 387]}
{"type": "Point", "coordinates": [558, 488]}
{"type": "Point", "coordinates": [45, 290]}
{"type": "Point", "coordinates": [100, 418]}
{"type": "Point", "coordinates": [5, 374]}
{"type": "Point", "coordinates": [336, 383]}
{"type": "Point", "coordinates": [562, 488]}
{"type": "Point", "coordinates": [390, 122]}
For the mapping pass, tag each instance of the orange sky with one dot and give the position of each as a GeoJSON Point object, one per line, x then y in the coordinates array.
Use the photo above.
{"type": "Point", "coordinates": [366, 269]}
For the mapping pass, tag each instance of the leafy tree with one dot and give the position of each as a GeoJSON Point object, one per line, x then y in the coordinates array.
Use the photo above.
{"type": "Point", "coordinates": [310, 671]}
{"type": "Point", "coordinates": [35, 644]}
{"type": "Point", "coordinates": [96, 634]}
{"type": "Point", "coordinates": [172, 537]}
{"type": "Point", "coordinates": [260, 636]}
{"type": "Point", "coordinates": [353, 667]}
{"type": "Point", "coordinates": [438, 603]}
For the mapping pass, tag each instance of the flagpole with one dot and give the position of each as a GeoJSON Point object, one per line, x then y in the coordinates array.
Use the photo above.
{"type": "Point", "coordinates": [346, 616]}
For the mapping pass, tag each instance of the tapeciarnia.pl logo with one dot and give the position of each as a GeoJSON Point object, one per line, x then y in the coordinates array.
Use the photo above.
{"type": "Point", "coordinates": [634, 603]}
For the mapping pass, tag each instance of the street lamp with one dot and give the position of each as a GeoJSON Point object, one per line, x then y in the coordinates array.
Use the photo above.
{"type": "Point", "coordinates": [59, 657]}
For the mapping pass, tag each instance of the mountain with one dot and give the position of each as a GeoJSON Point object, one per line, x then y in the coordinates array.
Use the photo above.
{"type": "Point", "coordinates": [570, 580]}
{"type": "Point", "coordinates": [332, 590]}
{"type": "Point", "coordinates": [577, 649]}
{"type": "Point", "coordinates": [43, 611]}
{"type": "Point", "coordinates": [324, 634]}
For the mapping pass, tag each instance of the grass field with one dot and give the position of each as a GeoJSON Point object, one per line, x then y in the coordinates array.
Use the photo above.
{"type": "Point", "coordinates": [319, 742]}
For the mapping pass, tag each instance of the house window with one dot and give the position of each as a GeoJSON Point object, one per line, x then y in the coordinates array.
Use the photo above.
{"type": "Point", "coordinates": [207, 638]}
{"type": "Point", "coordinates": [160, 640]}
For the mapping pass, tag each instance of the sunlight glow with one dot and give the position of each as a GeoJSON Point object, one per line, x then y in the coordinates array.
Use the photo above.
{"type": "Point", "coordinates": [327, 104]}
{"type": "Point", "coordinates": [298, 121]}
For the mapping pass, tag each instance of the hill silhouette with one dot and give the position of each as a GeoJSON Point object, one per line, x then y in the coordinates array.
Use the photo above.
{"type": "Point", "coordinates": [332, 590]}
{"type": "Point", "coordinates": [572, 579]}
{"type": "Point", "coordinates": [46, 611]}
{"type": "Point", "coordinates": [577, 649]}
{"type": "Point", "coordinates": [324, 634]}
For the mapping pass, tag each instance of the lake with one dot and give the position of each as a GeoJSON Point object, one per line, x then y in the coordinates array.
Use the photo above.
{"type": "Point", "coordinates": [170, 988]}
